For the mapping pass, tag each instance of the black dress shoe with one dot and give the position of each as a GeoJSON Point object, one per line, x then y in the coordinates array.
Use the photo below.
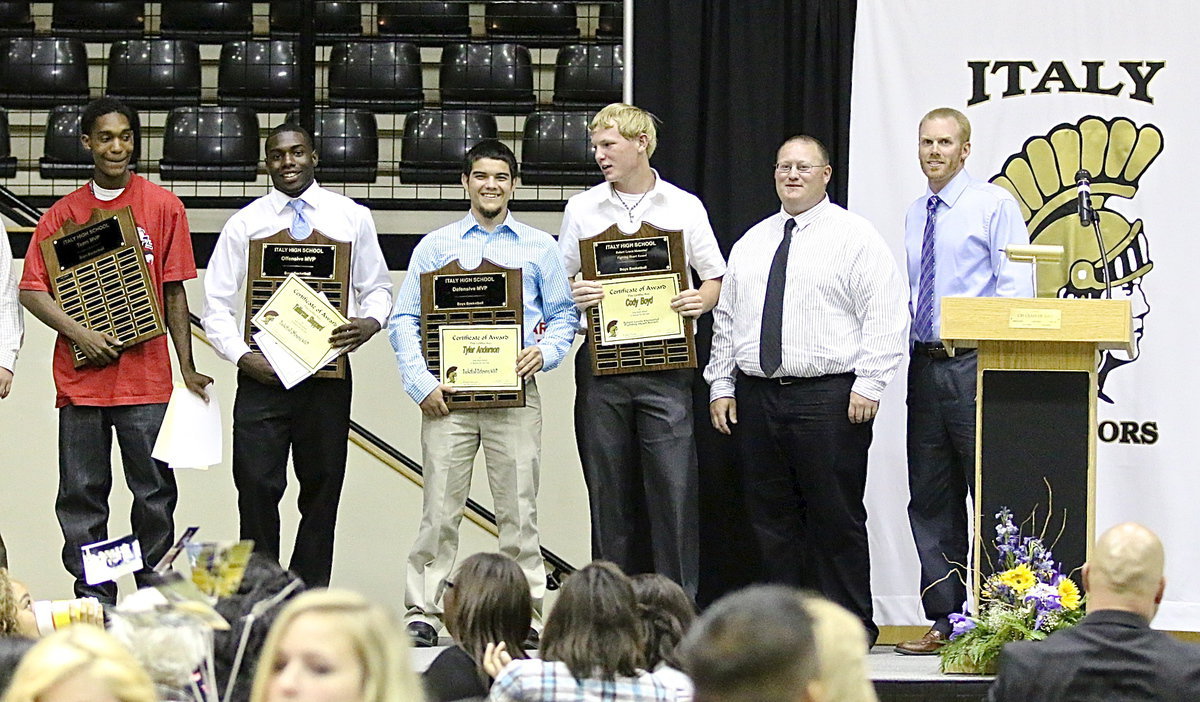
{"type": "Point", "coordinates": [533, 640]}
{"type": "Point", "coordinates": [423, 635]}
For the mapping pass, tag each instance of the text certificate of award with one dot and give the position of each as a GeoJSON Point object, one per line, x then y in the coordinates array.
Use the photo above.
{"type": "Point", "coordinates": [480, 356]}
{"type": "Point", "coordinates": [301, 320]}
{"type": "Point", "coordinates": [639, 309]}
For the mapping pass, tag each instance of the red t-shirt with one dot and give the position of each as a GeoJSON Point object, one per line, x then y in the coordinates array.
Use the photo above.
{"type": "Point", "coordinates": [142, 373]}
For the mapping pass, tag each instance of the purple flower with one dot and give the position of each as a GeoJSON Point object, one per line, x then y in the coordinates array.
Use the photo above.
{"type": "Point", "coordinates": [961, 623]}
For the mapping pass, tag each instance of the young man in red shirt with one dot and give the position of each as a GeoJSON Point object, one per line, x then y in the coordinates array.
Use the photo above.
{"type": "Point", "coordinates": [120, 388]}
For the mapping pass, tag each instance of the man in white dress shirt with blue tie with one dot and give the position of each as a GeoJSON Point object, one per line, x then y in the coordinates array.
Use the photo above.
{"type": "Point", "coordinates": [312, 419]}
{"type": "Point", "coordinates": [808, 332]}
{"type": "Point", "coordinates": [955, 235]}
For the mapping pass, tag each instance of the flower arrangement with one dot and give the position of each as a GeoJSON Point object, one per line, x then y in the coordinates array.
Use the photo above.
{"type": "Point", "coordinates": [1026, 599]}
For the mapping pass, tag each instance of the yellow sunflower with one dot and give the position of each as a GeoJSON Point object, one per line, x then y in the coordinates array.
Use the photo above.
{"type": "Point", "coordinates": [1020, 578]}
{"type": "Point", "coordinates": [1068, 594]}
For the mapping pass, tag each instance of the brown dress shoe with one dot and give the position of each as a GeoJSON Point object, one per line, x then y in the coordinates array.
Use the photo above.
{"type": "Point", "coordinates": [927, 645]}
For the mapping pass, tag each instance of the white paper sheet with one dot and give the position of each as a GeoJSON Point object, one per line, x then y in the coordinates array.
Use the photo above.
{"type": "Point", "coordinates": [191, 435]}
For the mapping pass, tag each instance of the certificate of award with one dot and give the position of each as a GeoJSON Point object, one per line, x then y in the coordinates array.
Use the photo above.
{"type": "Point", "coordinates": [301, 320]}
{"type": "Point", "coordinates": [639, 309]}
{"type": "Point", "coordinates": [479, 356]}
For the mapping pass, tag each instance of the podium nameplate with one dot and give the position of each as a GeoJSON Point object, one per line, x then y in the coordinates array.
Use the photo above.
{"type": "Point", "coordinates": [98, 275]}
{"type": "Point", "coordinates": [472, 328]}
{"type": "Point", "coordinates": [633, 329]}
{"type": "Point", "coordinates": [322, 262]}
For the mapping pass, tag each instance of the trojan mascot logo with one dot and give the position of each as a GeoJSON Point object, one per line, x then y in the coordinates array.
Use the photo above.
{"type": "Point", "coordinates": [1042, 178]}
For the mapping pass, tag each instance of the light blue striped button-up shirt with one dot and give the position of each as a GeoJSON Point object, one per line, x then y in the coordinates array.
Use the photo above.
{"type": "Point", "coordinates": [550, 316]}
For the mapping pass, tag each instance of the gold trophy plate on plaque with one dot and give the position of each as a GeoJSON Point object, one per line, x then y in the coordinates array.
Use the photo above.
{"type": "Point", "coordinates": [321, 262]}
{"type": "Point", "coordinates": [99, 277]}
{"type": "Point", "coordinates": [634, 329]}
{"type": "Point", "coordinates": [471, 332]}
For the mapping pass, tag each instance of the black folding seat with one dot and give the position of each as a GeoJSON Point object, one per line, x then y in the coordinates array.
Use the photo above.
{"type": "Point", "coordinates": [493, 77]}
{"type": "Point", "coordinates": [556, 149]}
{"type": "Point", "coordinates": [210, 143]}
{"type": "Point", "coordinates": [426, 23]}
{"type": "Point", "coordinates": [8, 162]}
{"type": "Point", "coordinates": [347, 145]}
{"type": "Point", "coordinates": [15, 19]}
{"type": "Point", "coordinates": [154, 73]}
{"type": "Point", "coordinates": [588, 76]}
{"type": "Point", "coordinates": [207, 21]}
{"type": "Point", "coordinates": [64, 155]}
{"type": "Point", "coordinates": [93, 20]}
{"type": "Point", "coordinates": [611, 24]}
{"type": "Point", "coordinates": [42, 72]}
{"type": "Point", "coordinates": [436, 141]}
{"type": "Point", "coordinates": [532, 23]}
{"type": "Point", "coordinates": [331, 20]}
{"type": "Point", "coordinates": [381, 76]}
{"type": "Point", "coordinates": [262, 74]}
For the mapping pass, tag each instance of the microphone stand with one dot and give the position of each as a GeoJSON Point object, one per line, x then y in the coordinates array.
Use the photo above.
{"type": "Point", "coordinates": [1103, 257]}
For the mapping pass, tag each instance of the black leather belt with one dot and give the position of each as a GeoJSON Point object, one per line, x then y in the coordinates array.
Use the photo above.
{"type": "Point", "coordinates": [794, 380]}
{"type": "Point", "coordinates": [933, 349]}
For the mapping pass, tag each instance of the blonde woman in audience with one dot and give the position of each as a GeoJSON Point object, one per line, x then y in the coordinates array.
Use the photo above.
{"type": "Point", "coordinates": [841, 652]}
{"type": "Point", "coordinates": [81, 662]}
{"type": "Point", "coordinates": [335, 646]}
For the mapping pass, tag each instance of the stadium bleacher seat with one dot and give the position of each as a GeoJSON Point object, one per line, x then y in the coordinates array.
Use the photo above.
{"type": "Point", "coordinates": [154, 73]}
{"type": "Point", "coordinates": [588, 76]}
{"type": "Point", "coordinates": [347, 145]}
{"type": "Point", "coordinates": [206, 21]}
{"type": "Point", "coordinates": [8, 162]}
{"type": "Point", "coordinates": [426, 23]}
{"type": "Point", "coordinates": [493, 77]}
{"type": "Point", "coordinates": [381, 76]}
{"type": "Point", "coordinates": [331, 20]}
{"type": "Point", "coordinates": [611, 24]}
{"type": "Point", "coordinates": [262, 74]}
{"type": "Point", "coordinates": [93, 20]}
{"type": "Point", "coordinates": [436, 141]}
{"type": "Point", "coordinates": [210, 143]}
{"type": "Point", "coordinates": [532, 23]}
{"type": "Point", "coordinates": [16, 20]}
{"type": "Point", "coordinates": [42, 72]}
{"type": "Point", "coordinates": [556, 149]}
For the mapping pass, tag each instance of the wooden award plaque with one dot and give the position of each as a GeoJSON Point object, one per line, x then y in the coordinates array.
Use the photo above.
{"type": "Point", "coordinates": [613, 255]}
{"type": "Point", "coordinates": [488, 295]}
{"type": "Point", "coordinates": [322, 262]}
{"type": "Point", "coordinates": [99, 277]}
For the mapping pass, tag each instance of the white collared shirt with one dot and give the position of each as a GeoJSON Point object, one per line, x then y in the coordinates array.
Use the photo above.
{"type": "Point", "coordinates": [843, 306]}
{"type": "Point", "coordinates": [334, 215]}
{"type": "Point", "coordinates": [12, 325]}
{"type": "Point", "coordinates": [665, 206]}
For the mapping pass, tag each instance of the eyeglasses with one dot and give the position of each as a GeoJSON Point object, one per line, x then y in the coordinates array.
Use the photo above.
{"type": "Point", "coordinates": [801, 168]}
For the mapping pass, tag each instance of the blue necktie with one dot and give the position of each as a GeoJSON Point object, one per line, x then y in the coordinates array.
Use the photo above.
{"type": "Point", "coordinates": [300, 226]}
{"type": "Point", "coordinates": [770, 344]}
{"type": "Point", "coordinates": [923, 315]}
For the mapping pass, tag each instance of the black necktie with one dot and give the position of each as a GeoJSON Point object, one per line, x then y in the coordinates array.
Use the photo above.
{"type": "Point", "coordinates": [770, 348]}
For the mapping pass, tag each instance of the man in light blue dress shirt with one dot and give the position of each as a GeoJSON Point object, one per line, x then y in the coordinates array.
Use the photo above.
{"type": "Point", "coordinates": [967, 223]}
{"type": "Point", "coordinates": [511, 437]}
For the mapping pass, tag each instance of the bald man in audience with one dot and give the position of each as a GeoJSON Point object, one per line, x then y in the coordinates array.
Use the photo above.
{"type": "Point", "coordinates": [754, 645]}
{"type": "Point", "coordinates": [1112, 654]}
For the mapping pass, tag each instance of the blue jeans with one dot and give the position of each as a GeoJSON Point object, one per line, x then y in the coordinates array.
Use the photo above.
{"type": "Point", "coordinates": [85, 481]}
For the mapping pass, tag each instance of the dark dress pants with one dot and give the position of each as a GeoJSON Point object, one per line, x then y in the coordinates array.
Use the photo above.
{"type": "Point", "coordinates": [941, 473]}
{"type": "Point", "coordinates": [804, 467]}
{"type": "Point", "coordinates": [85, 481]}
{"type": "Point", "coordinates": [636, 445]}
{"type": "Point", "coordinates": [313, 419]}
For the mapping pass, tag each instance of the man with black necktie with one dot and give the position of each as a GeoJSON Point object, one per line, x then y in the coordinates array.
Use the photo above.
{"type": "Point", "coordinates": [312, 419]}
{"type": "Point", "coordinates": [808, 332]}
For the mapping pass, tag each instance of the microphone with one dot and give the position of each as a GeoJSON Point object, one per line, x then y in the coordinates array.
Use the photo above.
{"type": "Point", "coordinates": [1083, 185]}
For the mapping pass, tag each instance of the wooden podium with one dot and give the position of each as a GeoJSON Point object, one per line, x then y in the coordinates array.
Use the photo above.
{"type": "Point", "coordinates": [1036, 413]}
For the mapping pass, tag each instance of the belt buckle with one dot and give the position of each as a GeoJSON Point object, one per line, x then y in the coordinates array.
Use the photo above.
{"type": "Point", "coordinates": [785, 380]}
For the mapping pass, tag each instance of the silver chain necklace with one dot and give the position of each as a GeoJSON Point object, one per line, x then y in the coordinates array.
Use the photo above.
{"type": "Point", "coordinates": [628, 208]}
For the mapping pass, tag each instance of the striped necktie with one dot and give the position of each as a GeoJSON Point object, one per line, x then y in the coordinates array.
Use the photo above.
{"type": "Point", "coordinates": [770, 345]}
{"type": "Point", "coordinates": [300, 226]}
{"type": "Point", "coordinates": [923, 315]}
